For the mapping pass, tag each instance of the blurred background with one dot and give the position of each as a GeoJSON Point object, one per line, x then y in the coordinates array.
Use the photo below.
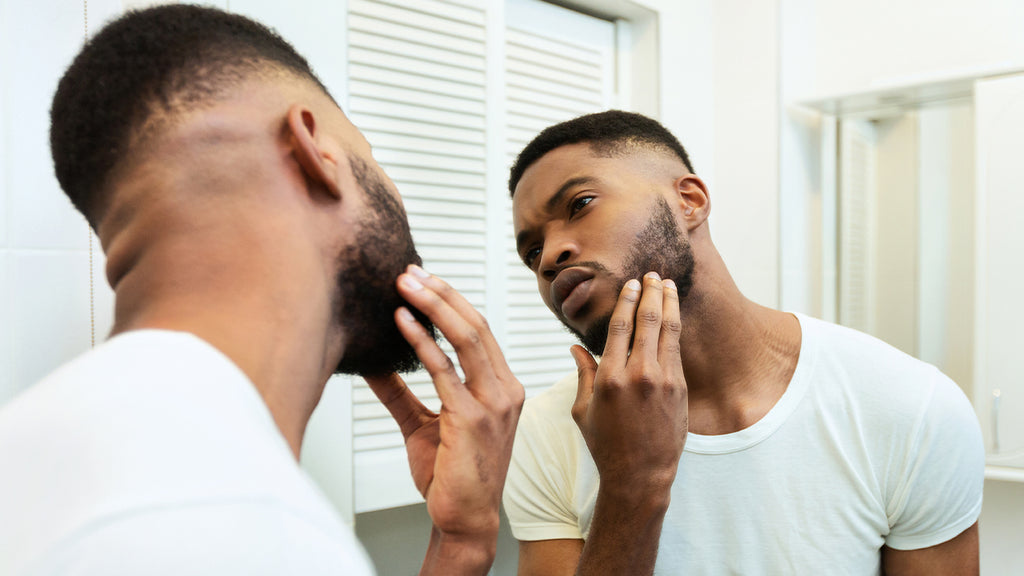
{"type": "Point", "coordinates": [861, 158]}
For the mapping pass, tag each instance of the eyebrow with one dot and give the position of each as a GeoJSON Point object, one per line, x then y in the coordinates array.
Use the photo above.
{"type": "Point", "coordinates": [555, 200]}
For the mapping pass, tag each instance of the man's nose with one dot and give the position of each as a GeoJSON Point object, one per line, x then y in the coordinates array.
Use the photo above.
{"type": "Point", "coordinates": [561, 256]}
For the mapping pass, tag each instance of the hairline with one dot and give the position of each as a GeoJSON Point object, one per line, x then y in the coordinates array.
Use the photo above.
{"type": "Point", "coordinates": [158, 121]}
{"type": "Point", "coordinates": [610, 148]}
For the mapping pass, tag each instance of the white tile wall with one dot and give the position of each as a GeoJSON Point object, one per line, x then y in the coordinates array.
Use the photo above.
{"type": "Point", "coordinates": [49, 310]}
{"type": "Point", "coordinates": [44, 258]}
{"type": "Point", "coordinates": [40, 39]}
{"type": "Point", "coordinates": [4, 133]}
{"type": "Point", "coordinates": [7, 388]}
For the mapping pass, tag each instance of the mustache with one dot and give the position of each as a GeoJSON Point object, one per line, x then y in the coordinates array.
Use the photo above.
{"type": "Point", "coordinates": [591, 264]}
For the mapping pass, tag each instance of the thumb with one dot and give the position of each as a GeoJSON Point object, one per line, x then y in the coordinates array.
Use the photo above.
{"type": "Point", "coordinates": [586, 370]}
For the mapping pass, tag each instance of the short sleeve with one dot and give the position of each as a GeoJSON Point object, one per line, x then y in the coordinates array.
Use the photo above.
{"type": "Point", "coordinates": [939, 492]}
{"type": "Point", "coordinates": [539, 490]}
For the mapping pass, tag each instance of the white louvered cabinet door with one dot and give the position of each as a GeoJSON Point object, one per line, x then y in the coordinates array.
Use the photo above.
{"type": "Point", "coordinates": [559, 64]}
{"type": "Point", "coordinates": [417, 73]}
{"type": "Point", "coordinates": [418, 89]}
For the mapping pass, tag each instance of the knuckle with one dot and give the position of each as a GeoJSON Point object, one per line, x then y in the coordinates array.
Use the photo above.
{"type": "Point", "coordinates": [620, 326]}
{"type": "Point", "coordinates": [511, 400]}
{"type": "Point", "coordinates": [443, 364]}
{"type": "Point", "coordinates": [645, 384]}
{"type": "Point", "coordinates": [609, 388]}
{"type": "Point", "coordinates": [481, 322]}
{"type": "Point", "coordinates": [648, 317]}
{"type": "Point", "coordinates": [468, 337]}
{"type": "Point", "coordinates": [672, 326]}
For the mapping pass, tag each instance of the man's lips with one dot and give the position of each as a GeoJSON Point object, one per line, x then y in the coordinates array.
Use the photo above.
{"type": "Point", "coordinates": [570, 290]}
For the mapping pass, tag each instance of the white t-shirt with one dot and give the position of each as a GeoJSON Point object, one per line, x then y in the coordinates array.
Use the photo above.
{"type": "Point", "coordinates": [154, 454]}
{"type": "Point", "coordinates": [867, 447]}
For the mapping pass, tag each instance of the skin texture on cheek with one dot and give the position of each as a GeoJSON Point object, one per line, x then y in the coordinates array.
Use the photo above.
{"type": "Point", "coordinates": [660, 247]}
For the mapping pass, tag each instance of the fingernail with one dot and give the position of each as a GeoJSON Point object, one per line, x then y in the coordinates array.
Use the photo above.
{"type": "Point", "coordinates": [652, 276]}
{"type": "Point", "coordinates": [410, 282]}
{"type": "Point", "coordinates": [417, 271]}
{"type": "Point", "coordinates": [633, 284]}
{"type": "Point", "coordinates": [670, 284]}
{"type": "Point", "coordinates": [404, 315]}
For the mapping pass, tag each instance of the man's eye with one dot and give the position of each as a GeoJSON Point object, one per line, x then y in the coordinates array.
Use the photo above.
{"type": "Point", "coordinates": [530, 256]}
{"type": "Point", "coordinates": [578, 204]}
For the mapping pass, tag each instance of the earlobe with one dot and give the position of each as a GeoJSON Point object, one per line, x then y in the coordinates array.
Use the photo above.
{"type": "Point", "coordinates": [694, 200]}
{"type": "Point", "coordinates": [308, 146]}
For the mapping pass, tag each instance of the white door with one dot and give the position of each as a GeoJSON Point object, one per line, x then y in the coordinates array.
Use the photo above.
{"type": "Point", "coordinates": [999, 352]}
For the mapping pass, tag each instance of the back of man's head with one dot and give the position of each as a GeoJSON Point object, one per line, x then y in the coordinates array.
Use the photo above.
{"type": "Point", "coordinates": [138, 73]}
{"type": "Point", "coordinates": [609, 133]}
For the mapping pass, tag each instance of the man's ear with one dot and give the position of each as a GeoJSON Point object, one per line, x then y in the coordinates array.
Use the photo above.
{"type": "Point", "coordinates": [693, 199]}
{"type": "Point", "coordinates": [311, 150]}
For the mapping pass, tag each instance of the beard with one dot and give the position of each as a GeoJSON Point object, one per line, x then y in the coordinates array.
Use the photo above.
{"type": "Point", "coordinates": [659, 247]}
{"type": "Point", "coordinates": [366, 297]}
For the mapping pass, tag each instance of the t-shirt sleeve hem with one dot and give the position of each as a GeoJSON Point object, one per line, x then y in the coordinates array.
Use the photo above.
{"type": "Point", "coordinates": [535, 532]}
{"type": "Point", "coordinates": [917, 542]}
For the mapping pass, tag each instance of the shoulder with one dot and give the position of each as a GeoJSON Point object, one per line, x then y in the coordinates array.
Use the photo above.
{"type": "Point", "coordinates": [916, 425]}
{"type": "Point", "coordinates": [124, 381]}
{"type": "Point", "coordinates": [540, 489]}
{"type": "Point", "coordinates": [546, 427]}
{"type": "Point", "coordinates": [219, 537]}
{"type": "Point", "coordinates": [859, 370]}
{"type": "Point", "coordinates": [555, 403]}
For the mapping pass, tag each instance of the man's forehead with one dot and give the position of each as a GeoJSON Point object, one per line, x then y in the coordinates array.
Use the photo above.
{"type": "Point", "coordinates": [572, 165]}
{"type": "Point", "coordinates": [549, 171]}
{"type": "Point", "coordinates": [551, 177]}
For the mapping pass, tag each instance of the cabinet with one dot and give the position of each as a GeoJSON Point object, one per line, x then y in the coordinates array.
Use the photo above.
{"type": "Point", "coordinates": [999, 287]}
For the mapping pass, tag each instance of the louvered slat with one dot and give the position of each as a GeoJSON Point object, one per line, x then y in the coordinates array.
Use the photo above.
{"type": "Point", "coordinates": [548, 79]}
{"type": "Point", "coordinates": [417, 89]}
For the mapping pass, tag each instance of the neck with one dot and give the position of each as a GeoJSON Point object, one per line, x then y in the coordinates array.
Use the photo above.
{"type": "Point", "coordinates": [738, 356]}
{"type": "Point", "coordinates": [241, 291]}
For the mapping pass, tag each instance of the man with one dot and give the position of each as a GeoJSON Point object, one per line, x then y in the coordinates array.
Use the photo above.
{"type": "Point", "coordinates": [254, 247]}
{"type": "Point", "coordinates": [792, 447]}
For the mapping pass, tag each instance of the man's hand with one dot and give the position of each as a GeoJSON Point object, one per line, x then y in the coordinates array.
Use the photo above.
{"type": "Point", "coordinates": [632, 408]}
{"type": "Point", "coordinates": [459, 457]}
{"type": "Point", "coordinates": [632, 411]}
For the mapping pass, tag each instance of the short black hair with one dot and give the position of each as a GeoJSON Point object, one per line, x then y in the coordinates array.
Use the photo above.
{"type": "Point", "coordinates": [147, 63]}
{"type": "Point", "coordinates": [608, 132]}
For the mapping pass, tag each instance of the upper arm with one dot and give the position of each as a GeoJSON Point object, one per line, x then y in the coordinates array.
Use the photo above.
{"type": "Point", "coordinates": [938, 474]}
{"type": "Point", "coordinates": [549, 557]}
{"type": "Point", "coordinates": [958, 557]}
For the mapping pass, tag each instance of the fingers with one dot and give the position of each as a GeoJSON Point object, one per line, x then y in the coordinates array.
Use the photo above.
{"type": "Point", "coordinates": [620, 328]}
{"type": "Point", "coordinates": [586, 368]}
{"type": "Point", "coordinates": [648, 319]}
{"type": "Point", "coordinates": [458, 303]}
{"type": "Point", "coordinates": [463, 326]}
{"type": "Point", "coordinates": [669, 353]}
{"type": "Point", "coordinates": [438, 365]}
{"type": "Point", "coordinates": [404, 406]}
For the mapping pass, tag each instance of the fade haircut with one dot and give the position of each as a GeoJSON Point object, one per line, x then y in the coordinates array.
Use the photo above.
{"type": "Point", "coordinates": [609, 133]}
{"type": "Point", "coordinates": [140, 71]}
